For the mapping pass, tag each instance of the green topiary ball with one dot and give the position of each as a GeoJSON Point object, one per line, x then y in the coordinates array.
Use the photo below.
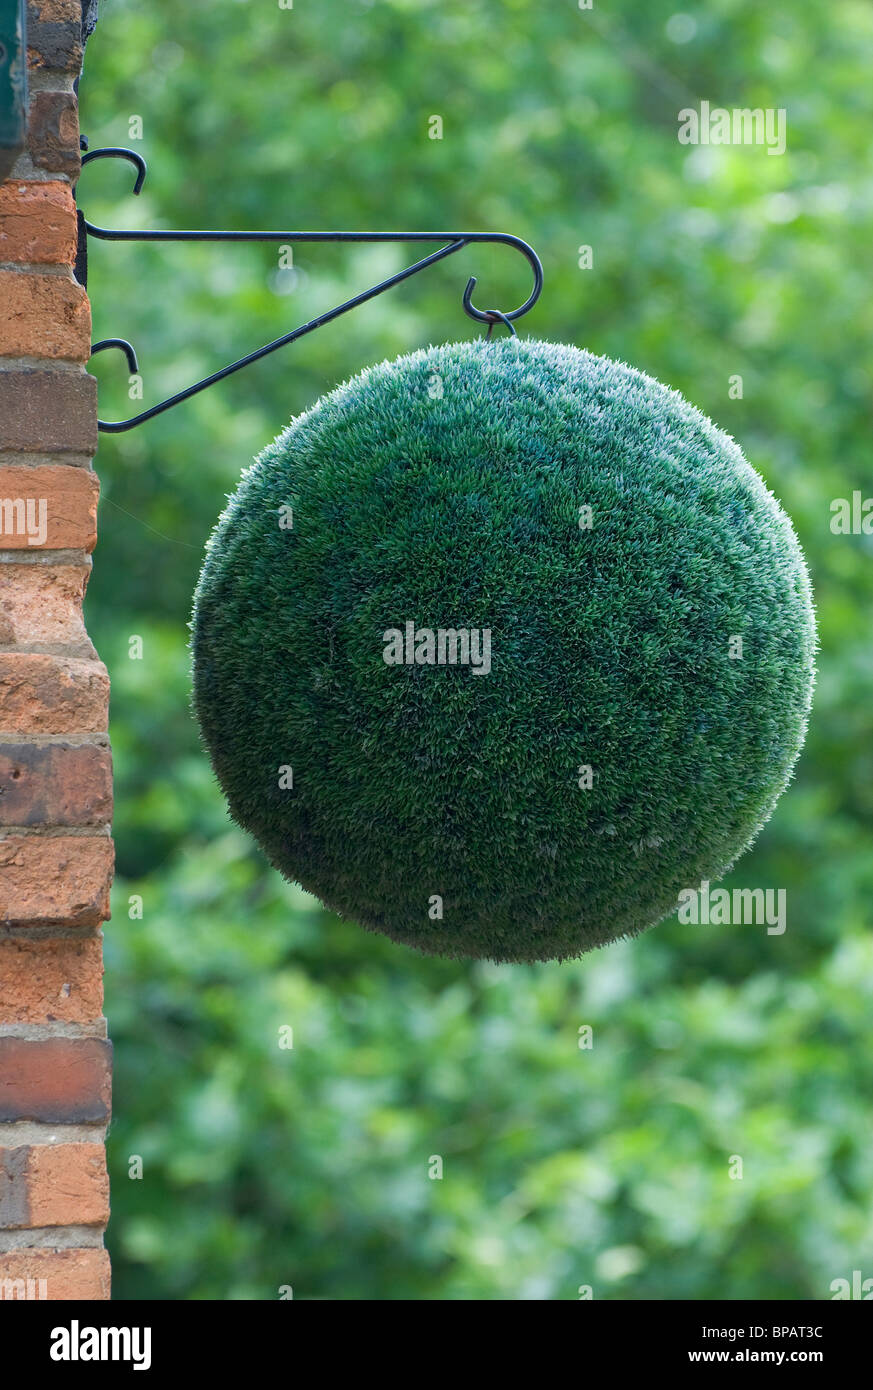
{"type": "Point", "coordinates": [500, 647]}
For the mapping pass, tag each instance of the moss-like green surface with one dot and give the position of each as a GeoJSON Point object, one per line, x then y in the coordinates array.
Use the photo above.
{"type": "Point", "coordinates": [444, 489]}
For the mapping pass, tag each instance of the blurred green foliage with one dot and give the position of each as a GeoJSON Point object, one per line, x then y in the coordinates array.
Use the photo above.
{"type": "Point", "coordinates": [563, 1167]}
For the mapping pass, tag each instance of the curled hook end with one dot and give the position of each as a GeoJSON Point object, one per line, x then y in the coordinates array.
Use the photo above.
{"type": "Point", "coordinates": [492, 316]}
{"type": "Point", "coordinates": [468, 298]}
{"type": "Point", "coordinates": [123, 345]}
{"type": "Point", "coordinates": [489, 316]}
{"type": "Point", "coordinates": [119, 152]}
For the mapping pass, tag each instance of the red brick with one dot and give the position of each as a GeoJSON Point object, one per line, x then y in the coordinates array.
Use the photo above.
{"type": "Point", "coordinates": [52, 695]}
{"type": "Point", "coordinates": [53, 1185]}
{"type": "Point", "coordinates": [48, 412]}
{"type": "Point", "coordinates": [55, 784]}
{"type": "Point", "coordinates": [53, 133]}
{"type": "Point", "coordinates": [60, 10]}
{"type": "Point", "coordinates": [63, 503]}
{"type": "Point", "coordinates": [57, 1081]}
{"type": "Point", "coordinates": [51, 981]}
{"type": "Point", "coordinates": [79, 1274]}
{"type": "Point", "coordinates": [42, 604]}
{"type": "Point", "coordinates": [44, 316]}
{"type": "Point", "coordinates": [55, 880]}
{"type": "Point", "coordinates": [37, 223]}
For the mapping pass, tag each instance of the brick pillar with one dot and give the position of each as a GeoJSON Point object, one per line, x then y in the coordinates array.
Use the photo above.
{"type": "Point", "coordinates": [55, 770]}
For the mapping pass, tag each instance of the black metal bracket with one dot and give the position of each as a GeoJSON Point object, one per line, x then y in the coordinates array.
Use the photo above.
{"type": "Point", "coordinates": [454, 241]}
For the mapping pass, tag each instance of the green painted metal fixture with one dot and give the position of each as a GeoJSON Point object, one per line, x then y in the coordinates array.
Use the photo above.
{"type": "Point", "coordinates": [13, 82]}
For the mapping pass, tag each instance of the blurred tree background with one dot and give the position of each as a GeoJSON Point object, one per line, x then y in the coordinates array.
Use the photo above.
{"type": "Point", "coordinates": [563, 1167]}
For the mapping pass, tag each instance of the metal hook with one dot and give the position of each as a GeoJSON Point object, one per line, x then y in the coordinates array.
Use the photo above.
{"type": "Point", "coordinates": [495, 316]}
{"type": "Point", "coordinates": [454, 241]}
{"type": "Point", "coordinates": [122, 343]}
{"type": "Point", "coordinates": [486, 315]}
{"type": "Point", "coordinates": [118, 152]}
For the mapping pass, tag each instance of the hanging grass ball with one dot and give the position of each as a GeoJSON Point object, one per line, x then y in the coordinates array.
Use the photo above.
{"type": "Point", "coordinates": [500, 647]}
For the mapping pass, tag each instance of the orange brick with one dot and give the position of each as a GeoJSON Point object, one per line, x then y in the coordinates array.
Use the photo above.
{"type": "Point", "coordinates": [57, 1081]}
{"type": "Point", "coordinates": [53, 1185]}
{"type": "Point", "coordinates": [42, 603]}
{"type": "Point", "coordinates": [52, 695]}
{"type": "Point", "coordinates": [43, 316]}
{"type": "Point", "coordinates": [51, 508]}
{"type": "Point", "coordinates": [51, 981]}
{"type": "Point", "coordinates": [55, 881]}
{"type": "Point", "coordinates": [55, 1274]}
{"type": "Point", "coordinates": [37, 223]}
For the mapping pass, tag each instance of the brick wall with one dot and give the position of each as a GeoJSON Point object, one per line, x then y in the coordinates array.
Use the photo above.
{"type": "Point", "coordinates": [55, 770]}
